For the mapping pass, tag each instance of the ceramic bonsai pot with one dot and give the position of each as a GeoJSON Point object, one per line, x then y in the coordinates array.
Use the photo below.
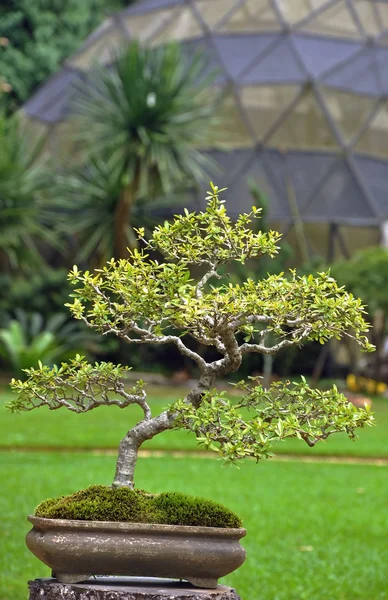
{"type": "Point", "coordinates": [76, 550]}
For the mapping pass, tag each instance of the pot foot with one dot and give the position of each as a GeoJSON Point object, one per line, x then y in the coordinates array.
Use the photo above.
{"type": "Point", "coordinates": [71, 577]}
{"type": "Point", "coordinates": [203, 582]}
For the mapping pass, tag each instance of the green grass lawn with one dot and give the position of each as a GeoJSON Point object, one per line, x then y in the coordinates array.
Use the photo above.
{"type": "Point", "coordinates": [314, 530]}
{"type": "Point", "coordinates": [105, 426]}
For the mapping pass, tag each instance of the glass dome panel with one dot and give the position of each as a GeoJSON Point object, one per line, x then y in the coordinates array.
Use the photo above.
{"type": "Point", "coordinates": [103, 50]}
{"type": "Point", "coordinates": [348, 111]}
{"type": "Point", "coordinates": [265, 104]}
{"type": "Point", "coordinates": [213, 12]}
{"type": "Point", "coordinates": [296, 10]}
{"type": "Point", "coordinates": [252, 15]}
{"type": "Point", "coordinates": [183, 27]}
{"type": "Point", "coordinates": [234, 131]}
{"type": "Point", "coordinates": [334, 21]}
{"type": "Point", "coordinates": [145, 27]}
{"type": "Point", "coordinates": [305, 127]}
{"type": "Point", "coordinates": [374, 140]}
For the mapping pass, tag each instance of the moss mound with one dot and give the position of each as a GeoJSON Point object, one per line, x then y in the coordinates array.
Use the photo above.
{"type": "Point", "coordinates": [102, 503]}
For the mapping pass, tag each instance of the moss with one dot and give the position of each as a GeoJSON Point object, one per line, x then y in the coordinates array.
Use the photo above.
{"type": "Point", "coordinates": [181, 509]}
{"type": "Point", "coordinates": [101, 503]}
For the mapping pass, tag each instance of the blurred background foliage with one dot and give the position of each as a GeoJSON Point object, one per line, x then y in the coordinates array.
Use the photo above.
{"type": "Point", "coordinates": [36, 37]}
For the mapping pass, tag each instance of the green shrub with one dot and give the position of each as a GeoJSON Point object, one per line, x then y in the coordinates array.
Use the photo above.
{"type": "Point", "coordinates": [102, 503]}
{"type": "Point", "coordinates": [31, 338]}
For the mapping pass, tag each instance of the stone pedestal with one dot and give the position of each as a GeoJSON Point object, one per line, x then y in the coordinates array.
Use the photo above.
{"type": "Point", "coordinates": [126, 588]}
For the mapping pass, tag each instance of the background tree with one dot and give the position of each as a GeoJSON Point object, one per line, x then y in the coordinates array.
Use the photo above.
{"type": "Point", "coordinates": [140, 123]}
{"type": "Point", "coordinates": [89, 196]}
{"type": "Point", "coordinates": [35, 37]}
{"type": "Point", "coordinates": [366, 275]}
{"type": "Point", "coordinates": [24, 210]}
{"type": "Point", "coordinates": [141, 301]}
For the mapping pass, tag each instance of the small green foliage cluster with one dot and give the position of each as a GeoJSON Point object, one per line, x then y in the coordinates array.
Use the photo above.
{"type": "Point", "coordinates": [60, 386]}
{"type": "Point", "coordinates": [212, 237]}
{"type": "Point", "coordinates": [101, 503]}
{"type": "Point", "coordinates": [129, 290]}
{"type": "Point", "coordinates": [263, 417]}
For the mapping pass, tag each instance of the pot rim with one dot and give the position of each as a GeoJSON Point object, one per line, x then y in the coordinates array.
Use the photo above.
{"type": "Point", "coordinates": [120, 526]}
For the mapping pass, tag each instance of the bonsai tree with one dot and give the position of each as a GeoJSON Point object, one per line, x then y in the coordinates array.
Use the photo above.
{"type": "Point", "coordinates": [143, 301]}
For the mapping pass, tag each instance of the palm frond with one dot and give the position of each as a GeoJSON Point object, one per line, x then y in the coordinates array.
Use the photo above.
{"type": "Point", "coordinates": [149, 109]}
{"type": "Point", "coordinates": [24, 215]}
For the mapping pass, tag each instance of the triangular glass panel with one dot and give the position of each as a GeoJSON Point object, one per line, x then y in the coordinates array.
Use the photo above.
{"type": "Point", "coordinates": [361, 234]}
{"type": "Point", "coordinates": [374, 176]}
{"type": "Point", "coordinates": [238, 51]}
{"type": "Point", "coordinates": [296, 10]}
{"type": "Point", "coordinates": [381, 8]}
{"type": "Point", "coordinates": [382, 11]}
{"type": "Point", "coordinates": [99, 31]}
{"type": "Point", "coordinates": [374, 141]}
{"type": "Point", "coordinates": [305, 127]}
{"type": "Point", "coordinates": [212, 66]}
{"type": "Point", "coordinates": [103, 51]}
{"type": "Point", "coordinates": [383, 40]}
{"type": "Point", "coordinates": [251, 15]}
{"type": "Point", "coordinates": [145, 27]}
{"type": "Point", "coordinates": [381, 62]}
{"type": "Point", "coordinates": [315, 237]}
{"type": "Point", "coordinates": [336, 20]}
{"type": "Point", "coordinates": [307, 172]}
{"type": "Point", "coordinates": [273, 162]}
{"type": "Point", "coordinates": [214, 11]}
{"type": "Point", "coordinates": [339, 197]}
{"type": "Point", "coordinates": [264, 104]}
{"type": "Point", "coordinates": [184, 26]}
{"type": "Point", "coordinates": [36, 132]}
{"type": "Point", "coordinates": [348, 111]}
{"type": "Point", "coordinates": [281, 65]}
{"type": "Point", "coordinates": [296, 175]}
{"type": "Point", "coordinates": [359, 75]}
{"type": "Point", "coordinates": [229, 163]}
{"type": "Point", "coordinates": [258, 175]}
{"type": "Point", "coordinates": [369, 16]}
{"type": "Point", "coordinates": [321, 54]}
{"type": "Point", "coordinates": [233, 130]}
{"type": "Point", "coordinates": [64, 145]}
{"type": "Point", "coordinates": [51, 102]}
{"type": "Point", "coordinates": [227, 169]}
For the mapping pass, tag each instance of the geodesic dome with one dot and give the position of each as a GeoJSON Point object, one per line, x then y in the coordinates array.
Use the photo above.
{"type": "Point", "coordinates": [303, 90]}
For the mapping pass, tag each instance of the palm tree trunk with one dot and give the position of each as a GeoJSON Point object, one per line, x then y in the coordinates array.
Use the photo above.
{"type": "Point", "coordinates": [122, 217]}
{"type": "Point", "coordinates": [123, 214]}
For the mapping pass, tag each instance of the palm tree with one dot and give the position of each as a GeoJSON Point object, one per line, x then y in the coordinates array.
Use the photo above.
{"type": "Point", "coordinates": [93, 193]}
{"type": "Point", "coordinates": [24, 218]}
{"type": "Point", "coordinates": [141, 124]}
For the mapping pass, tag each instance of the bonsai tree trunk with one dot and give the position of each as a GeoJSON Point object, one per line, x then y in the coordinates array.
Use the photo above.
{"type": "Point", "coordinates": [130, 444]}
{"type": "Point", "coordinates": [148, 428]}
{"type": "Point", "coordinates": [268, 365]}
